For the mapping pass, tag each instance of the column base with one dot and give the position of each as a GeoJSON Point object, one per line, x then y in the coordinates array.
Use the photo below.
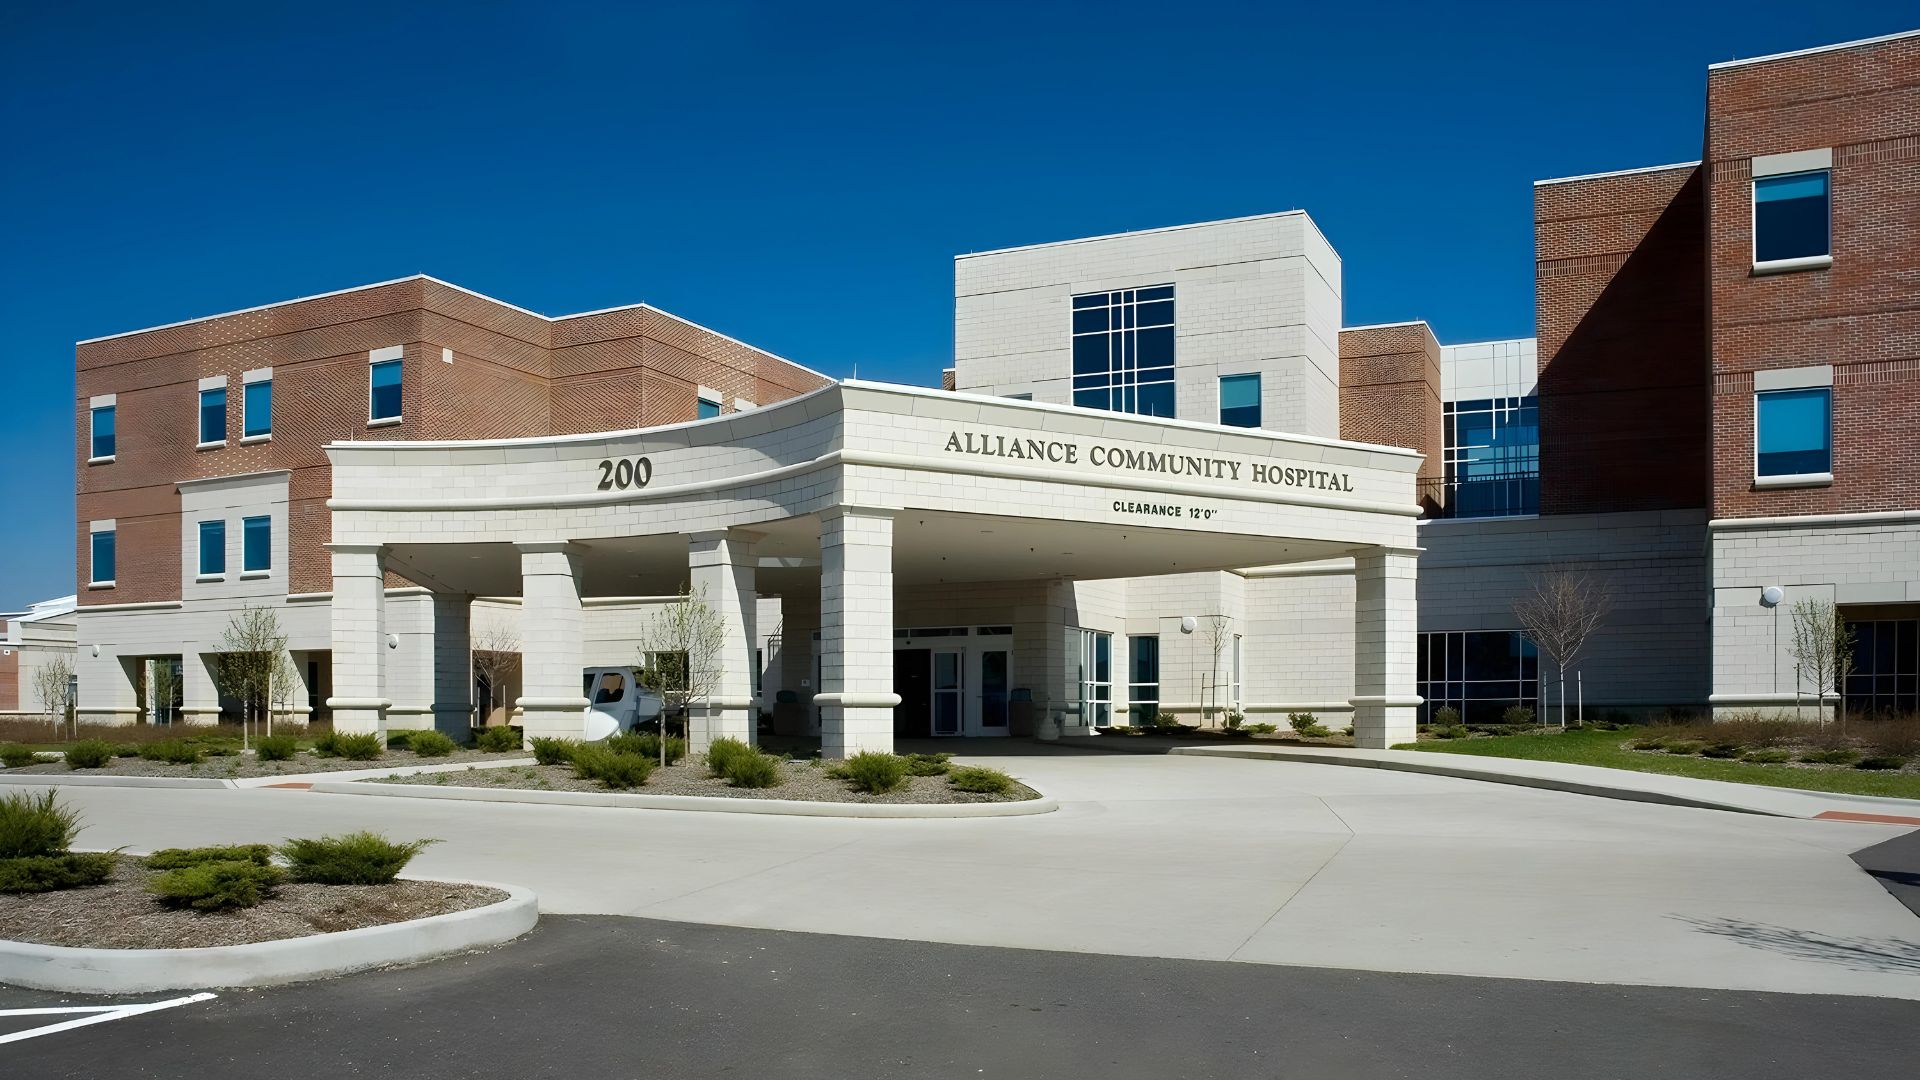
{"type": "Point", "coordinates": [1380, 723]}
{"type": "Point", "coordinates": [553, 718]}
{"type": "Point", "coordinates": [855, 723]}
{"type": "Point", "coordinates": [358, 716]}
{"type": "Point", "coordinates": [119, 716]}
{"type": "Point", "coordinates": [409, 717]}
{"type": "Point", "coordinates": [199, 715]}
{"type": "Point", "coordinates": [723, 718]}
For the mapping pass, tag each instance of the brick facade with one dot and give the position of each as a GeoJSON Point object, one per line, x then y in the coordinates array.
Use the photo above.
{"type": "Point", "coordinates": [512, 373]}
{"type": "Point", "coordinates": [1620, 309]}
{"type": "Point", "coordinates": [1862, 314]}
{"type": "Point", "coordinates": [1390, 393]}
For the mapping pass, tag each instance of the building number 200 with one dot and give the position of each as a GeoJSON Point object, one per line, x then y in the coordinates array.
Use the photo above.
{"type": "Point", "coordinates": [624, 474]}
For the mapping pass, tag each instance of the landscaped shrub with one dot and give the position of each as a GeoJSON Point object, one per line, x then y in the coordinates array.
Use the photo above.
{"type": "Point", "coordinates": [276, 748]}
{"type": "Point", "coordinates": [980, 781]}
{"type": "Point", "coordinates": [1446, 716]}
{"type": "Point", "coordinates": [928, 764]}
{"type": "Point", "coordinates": [400, 740]}
{"type": "Point", "coordinates": [327, 744]}
{"type": "Point", "coordinates": [553, 751]}
{"type": "Point", "coordinates": [498, 740]}
{"type": "Point", "coordinates": [1650, 742]}
{"type": "Point", "coordinates": [45, 873]}
{"type": "Point", "coordinates": [1517, 715]}
{"type": "Point", "coordinates": [216, 886]}
{"type": "Point", "coordinates": [1881, 761]}
{"type": "Point", "coordinates": [358, 858]}
{"type": "Point", "coordinates": [429, 744]}
{"type": "Point", "coordinates": [613, 768]}
{"type": "Point", "coordinates": [872, 772]}
{"type": "Point", "coordinates": [755, 770]}
{"type": "Point", "coordinates": [1262, 728]}
{"type": "Point", "coordinates": [172, 752]}
{"type": "Point", "coordinates": [14, 756]}
{"type": "Point", "coordinates": [647, 745]}
{"type": "Point", "coordinates": [1234, 719]}
{"type": "Point", "coordinates": [1721, 750]}
{"type": "Point", "coordinates": [126, 749]}
{"type": "Point", "coordinates": [89, 754]}
{"type": "Point", "coordinates": [1770, 756]}
{"type": "Point", "coordinates": [1900, 738]}
{"type": "Point", "coordinates": [175, 858]}
{"type": "Point", "coordinates": [360, 746]}
{"type": "Point", "coordinates": [1451, 731]}
{"type": "Point", "coordinates": [722, 751]}
{"type": "Point", "coordinates": [1167, 721]}
{"type": "Point", "coordinates": [1307, 725]}
{"type": "Point", "coordinates": [1839, 755]}
{"type": "Point", "coordinates": [33, 825]}
{"type": "Point", "coordinates": [1684, 746]}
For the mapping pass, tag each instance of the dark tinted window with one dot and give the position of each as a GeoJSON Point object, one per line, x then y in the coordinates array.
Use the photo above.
{"type": "Point", "coordinates": [1790, 217]}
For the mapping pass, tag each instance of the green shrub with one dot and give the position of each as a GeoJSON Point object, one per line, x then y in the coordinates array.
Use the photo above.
{"type": "Point", "coordinates": [45, 873]}
{"type": "Point", "coordinates": [1649, 742]}
{"type": "Point", "coordinates": [1262, 728]}
{"type": "Point", "coordinates": [327, 744]}
{"type": "Point", "coordinates": [358, 858]}
{"type": "Point", "coordinates": [755, 770]}
{"type": "Point", "coordinates": [1302, 722]}
{"type": "Point", "coordinates": [401, 740]}
{"type": "Point", "coordinates": [1446, 716]}
{"type": "Point", "coordinates": [361, 746]}
{"type": "Point", "coordinates": [1721, 750]}
{"type": "Point", "coordinates": [980, 781]}
{"type": "Point", "coordinates": [1516, 715]}
{"type": "Point", "coordinates": [276, 748]}
{"type": "Point", "coordinates": [1234, 719]}
{"type": "Point", "coordinates": [612, 768]}
{"type": "Point", "coordinates": [1881, 761]}
{"type": "Point", "coordinates": [216, 886]}
{"type": "Point", "coordinates": [722, 751]}
{"type": "Point", "coordinates": [498, 740]}
{"type": "Point", "coordinates": [1684, 746]}
{"type": "Point", "coordinates": [1840, 755]}
{"type": "Point", "coordinates": [647, 745]}
{"type": "Point", "coordinates": [1767, 757]}
{"type": "Point", "coordinates": [14, 756]}
{"type": "Point", "coordinates": [89, 754]}
{"type": "Point", "coordinates": [1166, 721]}
{"type": "Point", "coordinates": [175, 858]}
{"type": "Point", "coordinates": [430, 744]}
{"type": "Point", "coordinates": [172, 752]}
{"type": "Point", "coordinates": [553, 751]}
{"type": "Point", "coordinates": [1143, 715]}
{"type": "Point", "coordinates": [33, 825]}
{"type": "Point", "coordinates": [126, 749]}
{"type": "Point", "coordinates": [1451, 731]}
{"type": "Point", "coordinates": [928, 764]}
{"type": "Point", "coordinates": [873, 772]}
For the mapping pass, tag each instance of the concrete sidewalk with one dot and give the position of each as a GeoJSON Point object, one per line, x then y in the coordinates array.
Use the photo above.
{"type": "Point", "coordinates": [1584, 780]}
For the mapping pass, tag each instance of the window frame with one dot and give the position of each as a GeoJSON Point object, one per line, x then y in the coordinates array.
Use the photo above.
{"type": "Point", "coordinates": [1800, 479]}
{"type": "Point", "coordinates": [201, 442]}
{"type": "Point", "coordinates": [247, 433]}
{"type": "Point", "coordinates": [94, 580]}
{"type": "Point", "coordinates": [1801, 262]}
{"type": "Point", "coordinates": [94, 456]}
{"type": "Point", "coordinates": [247, 570]}
{"type": "Point", "coordinates": [219, 572]}
{"type": "Point", "coordinates": [1134, 684]}
{"type": "Point", "coordinates": [1118, 382]}
{"type": "Point", "coordinates": [1259, 405]}
{"type": "Point", "coordinates": [398, 364]}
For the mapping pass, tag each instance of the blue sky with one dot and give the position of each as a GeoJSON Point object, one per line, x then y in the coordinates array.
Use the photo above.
{"type": "Point", "coordinates": [797, 176]}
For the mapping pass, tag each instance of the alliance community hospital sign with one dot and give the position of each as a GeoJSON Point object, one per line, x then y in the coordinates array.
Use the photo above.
{"type": "Point", "coordinates": [1122, 459]}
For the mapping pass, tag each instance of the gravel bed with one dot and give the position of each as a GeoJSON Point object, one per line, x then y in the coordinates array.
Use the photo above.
{"type": "Point", "coordinates": [244, 765]}
{"type": "Point", "coordinates": [121, 914]}
{"type": "Point", "coordinates": [805, 781]}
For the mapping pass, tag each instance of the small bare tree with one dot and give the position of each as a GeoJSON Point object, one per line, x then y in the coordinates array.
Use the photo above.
{"type": "Point", "coordinates": [53, 679]}
{"type": "Point", "coordinates": [680, 655]}
{"type": "Point", "coordinates": [1219, 631]}
{"type": "Point", "coordinates": [283, 688]}
{"type": "Point", "coordinates": [163, 691]}
{"type": "Point", "coordinates": [254, 646]}
{"type": "Point", "coordinates": [496, 657]}
{"type": "Point", "coordinates": [1821, 646]}
{"type": "Point", "coordinates": [1560, 616]}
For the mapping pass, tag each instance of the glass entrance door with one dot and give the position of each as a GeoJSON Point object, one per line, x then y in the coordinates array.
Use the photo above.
{"type": "Point", "coordinates": [949, 715]}
{"type": "Point", "coordinates": [994, 677]}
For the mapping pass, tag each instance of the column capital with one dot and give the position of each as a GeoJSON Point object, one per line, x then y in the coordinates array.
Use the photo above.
{"type": "Point", "coordinates": [849, 510]}
{"type": "Point", "coordinates": [714, 536]}
{"type": "Point", "coordinates": [356, 549]}
{"type": "Point", "coordinates": [549, 547]}
{"type": "Point", "coordinates": [1389, 549]}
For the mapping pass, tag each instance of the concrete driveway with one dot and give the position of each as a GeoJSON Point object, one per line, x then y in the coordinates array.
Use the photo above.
{"type": "Point", "coordinates": [1186, 857]}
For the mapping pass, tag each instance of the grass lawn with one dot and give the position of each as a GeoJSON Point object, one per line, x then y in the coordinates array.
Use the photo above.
{"type": "Point", "coordinates": [1608, 749]}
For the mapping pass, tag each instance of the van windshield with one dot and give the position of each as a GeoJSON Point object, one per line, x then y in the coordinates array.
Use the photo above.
{"type": "Point", "coordinates": [612, 688]}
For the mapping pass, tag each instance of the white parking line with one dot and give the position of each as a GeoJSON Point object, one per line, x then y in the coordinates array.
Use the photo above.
{"type": "Point", "coordinates": [100, 1015]}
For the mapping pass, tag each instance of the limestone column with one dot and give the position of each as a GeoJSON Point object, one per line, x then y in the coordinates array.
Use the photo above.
{"type": "Point", "coordinates": [1385, 623]}
{"type": "Point", "coordinates": [856, 632]}
{"type": "Point", "coordinates": [452, 664]}
{"type": "Point", "coordinates": [551, 628]}
{"type": "Point", "coordinates": [721, 573]}
{"type": "Point", "coordinates": [359, 700]}
{"type": "Point", "coordinates": [199, 697]}
{"type": "Point", "coordinates": [105, 693]}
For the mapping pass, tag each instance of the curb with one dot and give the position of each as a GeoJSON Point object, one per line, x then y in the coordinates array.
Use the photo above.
{"type": "Point", "coordinates": [1576, 787]}
{"type": "Point", "coordinates": [70, 779]}
{"type": "Point", "coordinates": [264, 963]}
{"type": "Point", "coordinates": [1045, 804]}
{"type": "Point", "coordinates": [90, 780]}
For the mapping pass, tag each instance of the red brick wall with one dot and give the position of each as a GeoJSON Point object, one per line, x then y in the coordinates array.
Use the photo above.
{"type": "Point", "coordinates": [9, 680]}
{"type": "Point", "coordinates": [1620, 307]}
{"type": "Point", "coordinates": [513, 374]}
{"type": "Point", "coordinates": [1390, 393]}
{"type": "Point", "coordinates": [1862, 315]}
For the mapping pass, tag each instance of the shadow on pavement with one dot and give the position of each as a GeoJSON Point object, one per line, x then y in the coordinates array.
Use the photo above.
{"type": "Point", "coordinates": [1893, 955]}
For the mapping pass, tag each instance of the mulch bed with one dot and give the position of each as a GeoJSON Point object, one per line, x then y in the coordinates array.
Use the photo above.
{"type": "Point", "coordinates": [121, 914]}
{"type": "Point", "coordinates": [805, 781]}
{"type": "Point", "coordinates": [244, 765]}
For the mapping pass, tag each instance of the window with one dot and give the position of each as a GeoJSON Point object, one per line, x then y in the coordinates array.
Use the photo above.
{"type": "Point", "coordinates": [1240, 400]}
{"type": "Point", "coordinates": [1793, 432]}
{"type": "Point", "coordinates": [1790, 217]}
{"type": "Point", "coordinates": [612, 688]}
{"type": "Point", "coordinates": [1143, 675]}
{"type": "Point", "coordinates": [1491, 457]}
{"type": "Point", "coordinates": [256, 544]}
{"type": "Point", "coordinates": [102, 432]}
{"type": "Point", "coordinates": [213, 548]}
{"type": "Point", "coordinates": [257, 402]}
{"type": "Point", "coordinates": [1238, 670]}
{"type": "Point", "coordinates": [213, 415]}
{"type": "Point", "coordinates": [1123, 351]}
{"type": "Point", "coordinates": [103, 554]}
{"type": "Point", "coordinates": [1886, 667]}
{"type": "Point", "coordinates": [705, 409]}
{"type": "Point", "coordinates": [1477, 672]}
{"type": "Point", "coordinates": [1019, 397]}
{"type": "Point", "coordinates": [1096, 678]}
{"type": "Point", "coordinates": [383, 391]}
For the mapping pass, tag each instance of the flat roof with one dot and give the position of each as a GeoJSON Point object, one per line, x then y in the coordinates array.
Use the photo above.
{"type": "Point", "coordinates": [1816, 49]}
{"type": "Point", "coordinates": [1159, 229]}
{"type": "Point", "coordinates": [1618, 172]}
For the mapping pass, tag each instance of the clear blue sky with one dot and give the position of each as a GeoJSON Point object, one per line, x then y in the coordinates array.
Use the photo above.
{"type": "Point", "coordinates": [797, 176]}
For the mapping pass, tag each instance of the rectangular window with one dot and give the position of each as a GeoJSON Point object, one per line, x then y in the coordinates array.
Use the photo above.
{"type": "Point", "coordinates": [213, 415]}
{"type": "Point", "coordinates": [704, 409]}
{"type": "Point", "coordinates": [1478, 673]}
{"type": "Point", "coordinates": [1240, 400]}
{"type": "Point", "coordinates": [213, 548]}
{"type": "Point", "coordinates": [1123, 351]}
{"type": "Point", "coordinates": [1885, 678]}
{"type": "Point", "coordinates": [1791, 218]}
{"type": "Point", "coordinates": [256, 536]}
{"type": "Point", "coordinates": [1239, 671]}
{"type": "Point", "coordinates": [103, 554]}
{"type": "Point", "coordinates": [383, 391]}
{"type": "Point", "coordinates": [1492, 459]}
{"type": "Point", "coordinates": [1793, 432]}
{"type": "Point", "coordinates": [258, 406]}
{"type": "Point", "coordinates": [103, 432]}
{"type": "Point", "coordinates": [1096, 678]}
{"type": "Point", "coordinates": [1143, 676]}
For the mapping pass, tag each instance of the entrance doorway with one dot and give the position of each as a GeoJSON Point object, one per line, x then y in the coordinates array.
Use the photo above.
{"type": "Point", "coordinates": [953, 688]}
